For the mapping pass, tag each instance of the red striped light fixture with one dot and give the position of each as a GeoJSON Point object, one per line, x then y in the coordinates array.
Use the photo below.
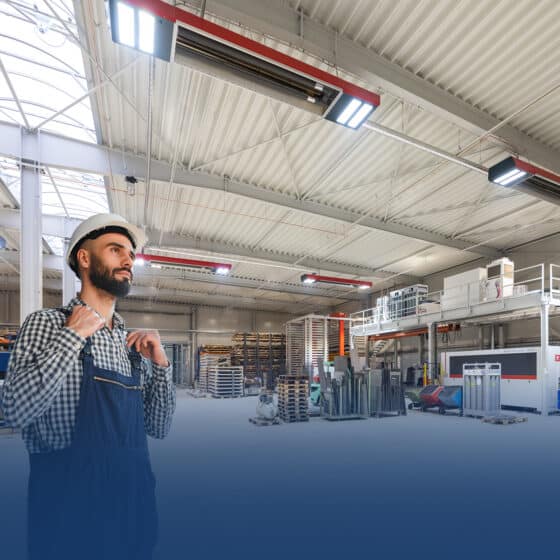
{"type": "Point", "coordinates": [159, 261]}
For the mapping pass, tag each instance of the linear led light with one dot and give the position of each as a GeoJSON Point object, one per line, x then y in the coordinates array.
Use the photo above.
{"type": "Point", "coordinates": [512, 172]}
{"type": "Point", "coordinates": [218, 51]}
{"type": "Point", "coordinates": [159, 261]}
{"type": "Point", "coordinates": [143, 25]}
{"type": "Point", "coordinates": [312, 278]}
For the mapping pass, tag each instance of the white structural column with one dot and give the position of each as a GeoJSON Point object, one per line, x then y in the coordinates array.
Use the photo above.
{"type": "Point", "coordinates": [194, 343]}
{"type": "Point", "coordinates": [31, 255]}
{"type": "Point", "coordinates": [432, 351]}
{"type": "Point", "coordinates": [69, 280]}
{"type": "Point", "coordinates": [545, 389]}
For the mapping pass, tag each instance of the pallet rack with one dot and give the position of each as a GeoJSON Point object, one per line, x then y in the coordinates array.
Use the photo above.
{"type": "Point", "coordinates": [262, 356]}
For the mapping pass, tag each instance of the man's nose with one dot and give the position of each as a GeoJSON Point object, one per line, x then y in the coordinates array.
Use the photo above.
{"type": "Point", "coordinates": [127, 262]}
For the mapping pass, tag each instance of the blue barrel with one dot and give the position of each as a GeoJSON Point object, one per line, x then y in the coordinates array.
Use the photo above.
{"type": "Point", "coordinates": [451, 397]}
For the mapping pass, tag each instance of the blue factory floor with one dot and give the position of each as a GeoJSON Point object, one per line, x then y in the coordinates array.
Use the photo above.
{"type": "Point", "coordinates": [418, 485]}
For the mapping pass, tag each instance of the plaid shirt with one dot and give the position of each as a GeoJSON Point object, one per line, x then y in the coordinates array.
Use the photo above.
{"type": "Point", "coordinates": [42, 387]}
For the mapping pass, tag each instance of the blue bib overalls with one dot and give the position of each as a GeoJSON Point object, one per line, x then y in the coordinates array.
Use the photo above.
{"type": "Point", "coordinates": [96, 498]}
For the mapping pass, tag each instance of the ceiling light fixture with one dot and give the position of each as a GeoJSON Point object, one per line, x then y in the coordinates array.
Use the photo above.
{"type": "Point", "coordinates": [512, 172]}
{"type": "Point", "coordinates": [217, 50]}
{"type": "Point", "coordinates": [312, 278]}
{"type": "Point", "coordinates": [159, 261]}
{"type": "Point", "coordinates": [143, 25]}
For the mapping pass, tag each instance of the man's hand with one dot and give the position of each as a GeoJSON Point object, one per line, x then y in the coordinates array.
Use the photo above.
{"type": "Point", "coordinates": [85, 321]}
{"type": "Point", "coordinates": [149, 345]}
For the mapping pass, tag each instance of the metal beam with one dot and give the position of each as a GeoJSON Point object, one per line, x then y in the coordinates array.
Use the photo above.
{"type": "Point", "coordinates": [277, 19]}
{"type": "Point", "coordinates": [146, 292]}
{"type": "Point", "coordinates": [67, 153]}
{"type": "Point", "coordinates": [56, 263]}
{"type": "Point", "coordinates": [186, 243]}
{"type": "Point", "coordinates": [60, 226]}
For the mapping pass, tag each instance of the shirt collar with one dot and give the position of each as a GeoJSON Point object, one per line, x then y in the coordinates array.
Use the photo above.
{"type": "Point", "coordinates": [118, 321]}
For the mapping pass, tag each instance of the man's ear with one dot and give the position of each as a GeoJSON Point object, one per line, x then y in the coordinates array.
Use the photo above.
{"type": "Point", "coordinates": [83, 259]}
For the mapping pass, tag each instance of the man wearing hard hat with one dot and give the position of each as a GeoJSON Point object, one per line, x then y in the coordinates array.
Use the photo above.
{"type": "Point", "coordinates": [85, 394]}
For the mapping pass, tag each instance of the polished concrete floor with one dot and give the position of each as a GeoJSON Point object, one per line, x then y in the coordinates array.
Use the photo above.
{"type": "Point", "coordinates": [418, 485]}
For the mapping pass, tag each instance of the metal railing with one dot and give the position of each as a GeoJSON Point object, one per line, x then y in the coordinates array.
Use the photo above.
{"type": "Point", "coordinates": [528, 280]}
{"type": "Point", "coordinates": [554, 280]}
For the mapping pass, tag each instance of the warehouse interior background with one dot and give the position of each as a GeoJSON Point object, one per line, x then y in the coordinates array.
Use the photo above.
{"type": "Point", "coordinates": [242, 178]}
{"type": "Point", "coordinates": [263, 215]}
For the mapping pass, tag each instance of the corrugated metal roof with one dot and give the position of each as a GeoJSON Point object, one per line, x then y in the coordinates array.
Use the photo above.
{"type": "Point", "coordinates": [497, 56]}
{"type": "Point", "coordinates": [483, 53]}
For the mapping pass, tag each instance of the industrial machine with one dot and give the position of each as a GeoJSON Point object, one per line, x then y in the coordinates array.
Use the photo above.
{"type": "Point", "coordinates": [523, 385]}
{"type": "Point", "coordinates": [442, 398]}
{"type": "Point", "coordinates": [451, 398]}
{"type": "Point", "coordinates": [404, 302]}
{"type": "Point", "coordinates": [462, 290]}
{"type": "Point", "coordinates": [429, 396]}
{"type": "Point", "coordinates": [499, 280]}
{"type": "Point", "coordinates": [266, 409]}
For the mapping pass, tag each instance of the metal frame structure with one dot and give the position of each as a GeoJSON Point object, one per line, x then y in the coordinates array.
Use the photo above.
{"type": "Point", "coordinates": [307, 342]}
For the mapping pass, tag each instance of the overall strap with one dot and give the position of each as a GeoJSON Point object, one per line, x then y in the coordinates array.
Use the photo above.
{"type": "Point", "coordinates": [86, 350]}
{"type": "Point", "coordinates": [136, 360]}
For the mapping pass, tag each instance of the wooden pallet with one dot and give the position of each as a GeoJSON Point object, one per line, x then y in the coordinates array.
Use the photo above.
{"type": "Point", "coordinates": [264, 421]}
{"type": "Point", "coordinates": [504, 419]}
{"type": "Point", "coordinates": [293, 419]}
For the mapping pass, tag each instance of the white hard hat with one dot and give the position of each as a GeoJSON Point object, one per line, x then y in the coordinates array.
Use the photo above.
{"type": "Point", "coordinates": [101, 222]}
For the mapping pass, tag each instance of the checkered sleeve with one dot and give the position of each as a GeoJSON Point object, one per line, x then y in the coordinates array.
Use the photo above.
{"type": "Point", "coordinates": [43, 354]}
{"type": "Point", "coordinates": [159, 399]}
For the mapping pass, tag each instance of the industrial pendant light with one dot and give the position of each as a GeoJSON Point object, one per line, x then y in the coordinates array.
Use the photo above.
{"type": "Point", "coordinates": [159, 261]}
{"type": "Point", "coordinates": [313, 278]}
{"type": "Point", "coordinates": [170, 33]}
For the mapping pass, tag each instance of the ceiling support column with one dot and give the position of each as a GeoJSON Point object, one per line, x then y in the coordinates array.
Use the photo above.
{"type": "Point", "coordinates": [31, 256]}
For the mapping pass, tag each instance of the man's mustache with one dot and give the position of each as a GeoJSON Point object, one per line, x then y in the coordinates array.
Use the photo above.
{"type": "Point", "coordinates": [117, 270]}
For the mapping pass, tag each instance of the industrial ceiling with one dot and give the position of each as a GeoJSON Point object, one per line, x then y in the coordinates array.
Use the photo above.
{"type": "Point", "coordinates": [278, 191]}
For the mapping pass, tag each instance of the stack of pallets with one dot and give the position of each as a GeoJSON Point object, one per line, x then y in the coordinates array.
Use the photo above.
{"type": "Point", "coordinates": [225, 382]}
{"type": "Point", "coordinates": [293, 392]}
{"type": "Point", "coordinates": [211, 356]}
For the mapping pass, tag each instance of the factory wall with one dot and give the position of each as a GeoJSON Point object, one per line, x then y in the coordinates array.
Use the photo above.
{"type": "Point", "coordinates": [215, 324]}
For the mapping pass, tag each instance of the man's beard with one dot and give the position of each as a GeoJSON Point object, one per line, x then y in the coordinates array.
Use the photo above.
{"type": "Point", "coordinates": [104, 279]}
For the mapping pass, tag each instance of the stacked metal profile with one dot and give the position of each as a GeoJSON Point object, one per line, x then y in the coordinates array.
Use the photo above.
{"type": "Point", "coordinates": [385, 392]}
{"type": "Point", "coordinates": [481, 389]}
{"type": "Point", "coordinates": [225, 381]}
{"type": "Point", "coordinates": [211, 356]}
{"type": "Point", "coordinates": [344, 395]}
{"type": "Point", "coordinates": [293, 398]}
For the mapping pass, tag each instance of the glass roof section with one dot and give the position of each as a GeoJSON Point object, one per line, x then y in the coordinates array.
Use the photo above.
{"type": "Point", "coordinates": [41, 74]}
{"type": "Point", "coordinates": [65, 193]}
{"type": "Point", "coordinates": [42, 68]}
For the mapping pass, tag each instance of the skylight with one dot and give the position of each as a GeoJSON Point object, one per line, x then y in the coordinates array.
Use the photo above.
{"type": "Point", "coordinates": [44, 64]}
